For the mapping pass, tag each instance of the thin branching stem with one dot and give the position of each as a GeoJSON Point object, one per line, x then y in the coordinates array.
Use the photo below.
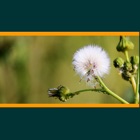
{"type": "Point", "coordinates": [111, 92]}
{"type": "Point", "coordinates": [137, 88]}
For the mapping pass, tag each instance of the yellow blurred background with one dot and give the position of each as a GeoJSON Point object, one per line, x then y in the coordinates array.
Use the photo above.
{"type": "Point", "coordinates": [29, 66]}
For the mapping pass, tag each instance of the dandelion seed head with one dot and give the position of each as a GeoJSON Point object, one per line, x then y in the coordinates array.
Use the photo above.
{"type": "Point", "coordinates": [91, 61]}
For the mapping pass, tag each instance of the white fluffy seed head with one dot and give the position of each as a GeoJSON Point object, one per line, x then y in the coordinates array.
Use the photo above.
{"type": "Point", "coordinates": [91, 61]}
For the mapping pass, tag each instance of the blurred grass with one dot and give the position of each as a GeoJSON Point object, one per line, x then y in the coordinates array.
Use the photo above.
{"type": "Point", "coordinates": [31, 65]}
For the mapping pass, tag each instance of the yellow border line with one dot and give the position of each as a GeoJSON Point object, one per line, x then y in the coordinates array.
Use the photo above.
{"type": "Point", "coordinates": [69, 105]}
{"type": "Point", "coordinates": [69, 33]}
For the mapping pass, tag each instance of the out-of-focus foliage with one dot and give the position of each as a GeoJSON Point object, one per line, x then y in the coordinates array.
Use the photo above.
{"type": "Point", "coordinates": [29, 66]}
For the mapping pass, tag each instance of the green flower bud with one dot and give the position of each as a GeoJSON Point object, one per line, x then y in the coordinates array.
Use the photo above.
{"type": "Point", "coordinates": [59, 92]}
{"type": "Point", "coordinates": [134, 60]}
{"type": "Point", "coordinates": [124, 44]}
{"type": "Point", "coordinates": [63, 90]}
{"type": "Point", "coordinates": [118, 62]}
{"type": "Point", "coordinates": [127, 66]}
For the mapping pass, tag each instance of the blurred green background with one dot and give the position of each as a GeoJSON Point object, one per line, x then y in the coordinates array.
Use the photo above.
{"type": "Point", "coordinates": [29, 66]}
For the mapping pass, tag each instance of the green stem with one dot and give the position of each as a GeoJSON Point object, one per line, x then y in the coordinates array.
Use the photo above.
{"type": "Point", "coordinates": [84, 90]}
{"type": "Point", "coordinates": [112, 93]}
{"type": "Point", "coordinates": [126, 55]}
{"type": "Point", "coordinates": [137, 88]}
{"type": "Point", "coordinates": [132, 80]}
{"type": "Point", "coordinates": [98, 90]}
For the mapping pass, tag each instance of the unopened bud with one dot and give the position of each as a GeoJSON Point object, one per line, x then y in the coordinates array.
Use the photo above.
{"type": "Point", "coordinates": [128, 66]}
{"type": "Point", "coordinates": [124, 44]}
{"type": "Point", "coordinates": [134, 60]}
{"type": "Point", "coordinates": [63, 90]}
{"type": "Point", "coordinates": [118, 62]}
{"type": "Point", "coordinates": [59, 92]}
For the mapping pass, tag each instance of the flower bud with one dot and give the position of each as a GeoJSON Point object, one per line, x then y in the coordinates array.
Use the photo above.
{"type": "Point", "coordinates": [124, 44]}
{"type": "Point", "coordinates": [118, 62]}
{"type": "Point", "coordinates": [59, 92]}
{"type": "Point", "coordinates": [63, 90]}
{"type": "Point", "coordinates": [134, 60]}
{"type": "Point", "coordinates": [128, 66]}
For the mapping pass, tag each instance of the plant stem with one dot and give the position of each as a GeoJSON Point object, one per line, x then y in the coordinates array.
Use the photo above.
{"type": "Point", "coordinates": [132, 80]}
{"type": "Point", "coordinates": [126, 55]}
{"type": "Point", "coordinates": [70, 95]}
{"type": "Point", "coordinates": [137, 88]}
{"type": "Point", "coordinates": [84, 90]}
{"type": "Point", "coordinates": [112, 93]}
